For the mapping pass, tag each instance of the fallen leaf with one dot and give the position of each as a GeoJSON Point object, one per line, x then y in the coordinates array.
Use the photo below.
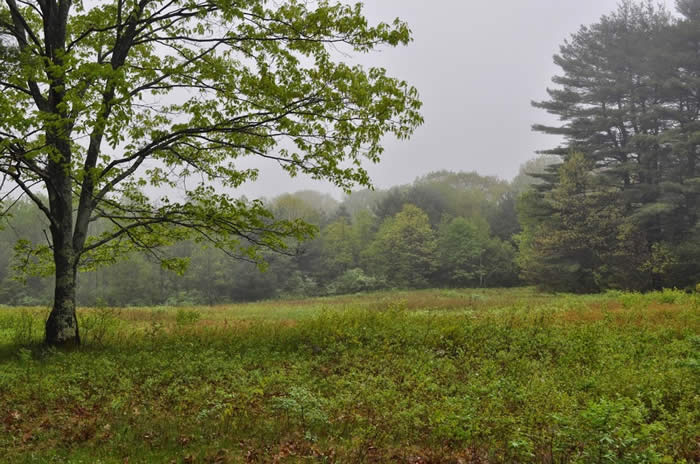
{"type": "Point", "coordinates": [27, 437]}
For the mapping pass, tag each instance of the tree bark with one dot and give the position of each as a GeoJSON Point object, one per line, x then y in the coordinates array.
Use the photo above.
{"type": "Point", "coordinates": [62, 324]}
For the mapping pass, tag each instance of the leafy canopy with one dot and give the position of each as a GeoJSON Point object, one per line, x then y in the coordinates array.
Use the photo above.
{"type": "Point", "coordinates": [102, 100]}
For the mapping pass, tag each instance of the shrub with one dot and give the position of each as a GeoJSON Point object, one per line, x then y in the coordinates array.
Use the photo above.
{"type": "Point", "coordinates": [302, 406]}
{"type": "Point", "coordinates": [355, 281]}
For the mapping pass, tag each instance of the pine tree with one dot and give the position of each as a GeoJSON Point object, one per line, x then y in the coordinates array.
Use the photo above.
{"type": "Point", "coordinates": [627, 99]}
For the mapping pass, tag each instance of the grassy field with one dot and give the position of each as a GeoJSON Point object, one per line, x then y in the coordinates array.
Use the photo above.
{"type": "Point", "coordinates": [434, 376]}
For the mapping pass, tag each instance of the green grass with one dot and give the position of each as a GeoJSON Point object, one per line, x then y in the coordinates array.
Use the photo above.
{"type": "Point", "coordinates": [427, 376]}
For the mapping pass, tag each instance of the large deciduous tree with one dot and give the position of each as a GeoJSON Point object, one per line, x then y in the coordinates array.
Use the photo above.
{"type": "Point", "coordinates": [404, 249]}
{"type": "Point", "coordinates": [469, 256]}
{"type": "Point", "coordinates": [103, 99]}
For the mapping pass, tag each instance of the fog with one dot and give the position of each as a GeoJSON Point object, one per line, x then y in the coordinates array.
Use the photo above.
{"type": "Point", "coordinates": [477, 65]}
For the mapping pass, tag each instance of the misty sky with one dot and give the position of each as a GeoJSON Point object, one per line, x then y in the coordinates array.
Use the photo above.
{"type": "Point", "coordinates": [477, 65]}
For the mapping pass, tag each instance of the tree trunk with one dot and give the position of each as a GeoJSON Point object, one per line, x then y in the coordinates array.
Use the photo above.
{"type": "Point", "coordinates": [62, 325]}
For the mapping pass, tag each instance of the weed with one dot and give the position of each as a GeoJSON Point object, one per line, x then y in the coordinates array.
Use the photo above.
{"type": "Point", "coordinates": [24, 328]}
{"type": "Point", "coordinates": [185, 317]}
{"type": "Point", "coordinates": [96, 324]}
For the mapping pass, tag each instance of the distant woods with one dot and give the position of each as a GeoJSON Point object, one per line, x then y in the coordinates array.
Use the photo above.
{"type": "Point", "coordinates": [445, 229]}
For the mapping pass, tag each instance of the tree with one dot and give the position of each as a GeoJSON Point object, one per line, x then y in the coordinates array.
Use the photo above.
{"type": "Point", "coordinates": [503, 218]}
{"type": "Point", "coordinates": [404, 249]}
{"type": "Point", "coordinates": [461, 247]}
{"type": "Point", "coordinates": [24, 224]}
{"type": "Point", "coordinates": [606, 92]}
{"type": "Point", "coordinates": [364, 227]}
{"type": "Point", "coordinates": [107, 98]}
{"type": "Point", "coordinates": [469, 256]}
{"type": "Point", "coordinates": [338, 246]}
{"type": "Point", "coordinates": [534, 172]}
{"type": "Point", "coordinates": [363, 200]}
{"type": "Point", "coordinates": [390, 203]}
{"type": "Point", "coordinates": [499, 264]}
{"type": "Point", "coordinates": [575, 237]}
{"type": "Point", "coordinates": [444, 193]}
{"type": "Point", "coordinates": [627, 99]}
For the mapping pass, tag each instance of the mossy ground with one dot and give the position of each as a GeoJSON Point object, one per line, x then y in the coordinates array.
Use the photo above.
{"type": "Point", "coordinates": [417, 377]}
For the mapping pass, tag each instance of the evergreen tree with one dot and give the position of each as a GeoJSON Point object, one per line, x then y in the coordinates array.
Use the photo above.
{"type": "Point", "coordinates": [627, 97]}
{"type": "Point", "coordinates": [569, 231]}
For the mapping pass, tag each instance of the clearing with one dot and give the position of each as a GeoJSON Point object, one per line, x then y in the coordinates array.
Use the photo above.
{"type": "Point", "coordinates": [423, 376]}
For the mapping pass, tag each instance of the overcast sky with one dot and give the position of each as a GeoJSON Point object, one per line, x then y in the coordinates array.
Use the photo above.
{"type": "Point", "coordinates": [477, 65]}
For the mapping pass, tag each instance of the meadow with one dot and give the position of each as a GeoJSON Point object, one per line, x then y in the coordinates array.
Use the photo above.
{"type": "Point", "coordinates": [453, 376]}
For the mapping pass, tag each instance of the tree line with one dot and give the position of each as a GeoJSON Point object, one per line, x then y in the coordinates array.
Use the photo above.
{"type": "Point", "coordinates": [445, 229]}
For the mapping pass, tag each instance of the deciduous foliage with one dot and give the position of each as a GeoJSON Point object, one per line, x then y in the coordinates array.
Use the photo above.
{"type": "Point", "coordinates": [339, 259]}
{"type": "Point", "coordinates": [462, 245]}
{"type": "Point", "coordinates": [404, 249]}
{"type": "Point", "coordinates": [101, 99]}
{"type": "Point", "coordinates": [469, 256]}
{"type": "Point", "coordinates": [338, 247]}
